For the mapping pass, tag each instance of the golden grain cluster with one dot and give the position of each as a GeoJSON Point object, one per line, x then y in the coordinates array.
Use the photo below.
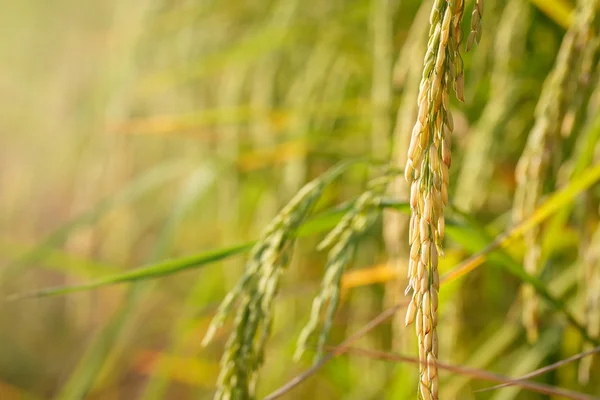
{"type": "Point", "coordinates": [429, 160]}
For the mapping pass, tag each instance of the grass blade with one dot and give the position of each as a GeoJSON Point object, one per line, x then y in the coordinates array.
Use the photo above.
{"type": "Point", "coordinates": [152, 271]}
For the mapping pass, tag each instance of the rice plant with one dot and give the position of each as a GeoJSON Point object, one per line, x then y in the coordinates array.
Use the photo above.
{"type": "Point", "coordinates": [256, 199]}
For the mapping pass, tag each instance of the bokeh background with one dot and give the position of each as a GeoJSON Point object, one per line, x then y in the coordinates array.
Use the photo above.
{"type": "Point", "coordinates": [141, 130]}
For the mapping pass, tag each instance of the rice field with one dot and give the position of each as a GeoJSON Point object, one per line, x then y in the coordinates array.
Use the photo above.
{"type": "Point", "coordinates": [300, 199]}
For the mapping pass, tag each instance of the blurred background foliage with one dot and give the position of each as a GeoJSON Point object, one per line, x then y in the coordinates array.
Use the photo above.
{"type": "Point", "coordinates": [143, 130]}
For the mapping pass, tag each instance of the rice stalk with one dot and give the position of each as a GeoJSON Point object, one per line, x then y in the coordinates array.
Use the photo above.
{"type": "Point", "coordinates": [426, 170]}
{"type": "Point", "coordinates": [256, 291]}
{"type": "Point", "coordinates": [543, 143]}
{"type": "Point", "coordinates": [342, 242]}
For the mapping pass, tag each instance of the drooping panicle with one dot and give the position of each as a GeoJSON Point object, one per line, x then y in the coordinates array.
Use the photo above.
{"type": "Point", "coordinates": [427, 170]}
